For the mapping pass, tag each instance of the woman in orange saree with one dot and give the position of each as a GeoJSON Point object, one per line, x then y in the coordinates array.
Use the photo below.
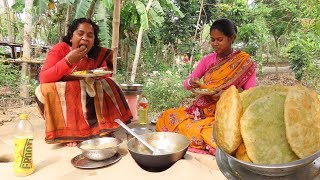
{"type": "Point", "coordinates": [218, 70]}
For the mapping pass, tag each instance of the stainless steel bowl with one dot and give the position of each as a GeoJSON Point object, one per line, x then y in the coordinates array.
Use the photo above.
{"type": "Point", "coordinates": [271, 170]}
{"type": "Point", "coordinates": [276, 169]}
{"type": "Point", "coordinates": [174, 144]}
{"type": "Point", "coordinates": [131, 87]}
{"type": "Point", "coordinates": [100, 148]}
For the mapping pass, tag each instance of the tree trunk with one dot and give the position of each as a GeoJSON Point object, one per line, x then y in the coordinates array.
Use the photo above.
{"type": "Point", "coordinates": [115, 33]}
{"type": "Point", "coordinates": [136, 56]}
{"type": "Point", "coordinates": [8, 20]}
{"type": "Point", "coordinates": [138, 47]}
{"type": "Point", "coordinates": [25, 70]}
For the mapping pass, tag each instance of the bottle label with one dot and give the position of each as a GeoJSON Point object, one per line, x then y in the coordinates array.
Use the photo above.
{"type": "Point", "coordinates": [23, 164]}
{"type": "Point", "coordinates": [143, 105]}
{"type": "Point", "coordinates": [143, 116]}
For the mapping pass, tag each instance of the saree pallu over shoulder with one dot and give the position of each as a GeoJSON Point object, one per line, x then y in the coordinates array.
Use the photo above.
{"type": "Point", "coordinates": [234, 69]}
{"type": "Point", "coordinates": [67, 109]}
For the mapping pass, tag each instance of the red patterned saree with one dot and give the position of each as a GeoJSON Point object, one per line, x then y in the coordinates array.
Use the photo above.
{"type": "Point", "coordinates": [72, 115]}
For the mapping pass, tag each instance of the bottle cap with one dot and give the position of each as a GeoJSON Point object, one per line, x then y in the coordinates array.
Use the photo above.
{"type": "Point", "coordinates": [24, 116]}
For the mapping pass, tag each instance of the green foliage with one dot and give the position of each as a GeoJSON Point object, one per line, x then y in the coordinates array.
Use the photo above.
{"type": "Point", "coordinates": [281, 17]}
{"type": "Point", "coordinates": [302, 54]}
{"type": "Point", "coordinates": [103, 19]}
{"type": "Point", "coordinates": [181, 29]}
{"type": "Point", "coordinates": [175, 9]}
{"type": "Point", "coordinates": [68, 2]}
{"type": "Point", "coordinates": [32, 85]}
{"type": "Point", "coordinates": [164, 90]}
{"type": "Point", "coordinates": [312, 75]}
{"type": "Point", "coordinates": [9, 76]}
{"type": "Point", "coordinates": [39, 8]}
{"type": "Point", "coordinates": [298, 59]}
{"type": "Point", "coordinates": [82, 8]}
{"type": "Point", "coordinates": [156, 14]}
{"type": "Point", "coordinates": [141, 9]}
{"type": "Point", "coordinates": [108, 3]}
{"type": "Point", "coordinates": [18, 6]}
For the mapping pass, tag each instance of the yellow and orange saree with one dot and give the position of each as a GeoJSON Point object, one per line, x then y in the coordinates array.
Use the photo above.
{"type": "Point", "coordinates": [195, 121]}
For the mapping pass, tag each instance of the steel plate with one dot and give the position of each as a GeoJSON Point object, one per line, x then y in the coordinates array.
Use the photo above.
{"type": "Point", "coordinates": [80, 161]}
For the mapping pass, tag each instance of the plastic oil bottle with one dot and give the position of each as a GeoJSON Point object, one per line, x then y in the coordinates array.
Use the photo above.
{"type": "Point", "coordinates": [23, 137]}
{"type": "Point", "coordinates": [143, 107]}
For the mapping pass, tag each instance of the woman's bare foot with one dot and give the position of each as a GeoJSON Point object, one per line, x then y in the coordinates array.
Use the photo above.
{"type": "Point", "coordinates": [71, 144]}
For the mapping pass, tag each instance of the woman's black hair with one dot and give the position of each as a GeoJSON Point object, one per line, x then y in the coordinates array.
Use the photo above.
{"type": "Point", "coordinates": [225, 26]}
{"type": "Point", "coordinates": [93, 53]}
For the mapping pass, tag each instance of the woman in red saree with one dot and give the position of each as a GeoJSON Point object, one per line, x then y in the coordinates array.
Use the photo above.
{"type": "Point", "coordinates": [76, 109]}
{"type": "Point", "coordinates": [218, 70]}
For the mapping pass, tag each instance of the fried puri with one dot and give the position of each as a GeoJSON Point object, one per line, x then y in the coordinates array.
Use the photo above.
{"type": "Point", "coordinates": [249, 96]}
{"type": "Point", "coordinates": [242, 153]}
{"type": "Point", "coordinates": [264, 133]}
{"type": "Point", "coordinates": [227, 117]}
{"type": "Point", "coordinates": [302, 120]}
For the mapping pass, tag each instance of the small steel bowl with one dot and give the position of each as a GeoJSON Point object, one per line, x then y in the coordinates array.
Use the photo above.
{"type": "Point", "coordinates": [99, 149]}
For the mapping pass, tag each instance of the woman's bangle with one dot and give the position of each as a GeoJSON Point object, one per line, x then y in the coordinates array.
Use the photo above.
{"type": "Point", "coordinates": [189, 82]}
{"type": "Point", "coordinates": [67, 61]}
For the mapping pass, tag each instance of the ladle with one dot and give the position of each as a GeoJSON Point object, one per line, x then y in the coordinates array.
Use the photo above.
{"type": "Point", "coordinates": [154, 151]}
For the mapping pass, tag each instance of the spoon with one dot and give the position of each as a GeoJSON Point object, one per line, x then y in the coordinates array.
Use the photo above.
{"type": "Point", "coordinates": [154, 151]}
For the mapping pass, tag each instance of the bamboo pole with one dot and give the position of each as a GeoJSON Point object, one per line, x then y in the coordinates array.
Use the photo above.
{"type": "Point", "coordinates": [115, 33]}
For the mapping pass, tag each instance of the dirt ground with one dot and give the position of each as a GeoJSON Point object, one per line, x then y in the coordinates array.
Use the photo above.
{"type": "Point", "coordinates": [283, 78]}
{"type": "Point", "coordinates": [10, 111]}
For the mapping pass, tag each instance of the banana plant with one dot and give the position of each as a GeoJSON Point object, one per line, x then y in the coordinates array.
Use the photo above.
{"type": "Point", "coordinates": [103, 19]}
{"type": "Point", "coordinates": [82, 7]}
{"type": "Point", "coordinates": [153, 13]}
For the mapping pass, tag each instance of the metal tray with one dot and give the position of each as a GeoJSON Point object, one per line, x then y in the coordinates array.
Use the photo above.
{"type": "Point", "coordinates": [91, 73]}
{"type": "Point", "coordinates": [234, 171]}
{"type": "Point", "coordinates": [80, 161]}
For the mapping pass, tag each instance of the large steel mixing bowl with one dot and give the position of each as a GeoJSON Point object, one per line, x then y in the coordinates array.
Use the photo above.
{"type": "Point", "coordinates": [274, 169]}
{"type": "Point", "coordinates": [174, 144]}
